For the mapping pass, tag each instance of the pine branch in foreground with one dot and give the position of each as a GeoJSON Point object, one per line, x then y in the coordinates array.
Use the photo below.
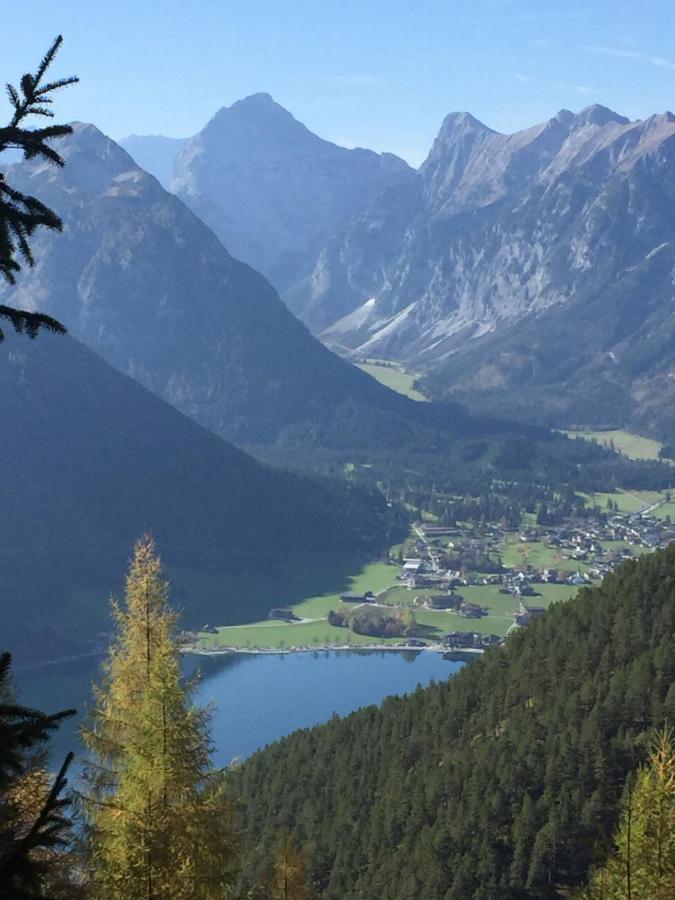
{"type": "Point", "coordinates": [20, 214]}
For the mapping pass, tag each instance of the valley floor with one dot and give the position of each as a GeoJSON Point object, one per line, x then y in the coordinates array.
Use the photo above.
{"type": "Point", "coordinates": [392, 376]}
{"type": "Point", "coordinates": [635, 446]}
{"type": "Point", "coordinates": [462, 608]}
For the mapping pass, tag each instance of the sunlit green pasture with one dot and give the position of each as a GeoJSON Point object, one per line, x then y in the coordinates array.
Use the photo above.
{"type": "Point", "coordinates": [269, 635]}
{"type": "Point", "coordinates": [619, 546]}
{"type": "Point", "coordinates": [501, 608]}
{"type": "Point", "coordinates": [518, 554]}
{"type": "Point", "coordinates": [632, 445]}
{"type": "Point", "coordinates": [627, 501]}
{"type": "Point", "coordinates": [665, 510]}
{"type": "Point", "coordinates": [394, 378]}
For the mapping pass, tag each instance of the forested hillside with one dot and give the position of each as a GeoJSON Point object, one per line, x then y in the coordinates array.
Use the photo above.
{"type": "Point", "coordinates": [502, 783]}
{"type": "Point", "coordinates": [89, 460]}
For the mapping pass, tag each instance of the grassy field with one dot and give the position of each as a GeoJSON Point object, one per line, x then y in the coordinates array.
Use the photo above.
{"type": "Point", "coordinates": [394, 378]}
{"type": "Point", "coordinates": [666, 509]}
{"type": "Point", "coordinates": [487, 595]}
{"type": "Point", "coordinates": [274, 634]}
{"type": "Point", "coordinates": [279, 636]}
{"type": "Point", "coordinates": [632, 445]}
{"type": "Point", "coordinates": [628, 501]}
{"type": "Point", "coordinates": [518, 554]}
{"type": "Point", "coordinates": [374, 577]}
{"type": "Point", "coordinates": [501, 608]}
{"type": "Point", "coordinates": [618, 546]}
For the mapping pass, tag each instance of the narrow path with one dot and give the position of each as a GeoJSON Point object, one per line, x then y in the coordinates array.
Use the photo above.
{"type": "Point", "coordinates": [420, 534]}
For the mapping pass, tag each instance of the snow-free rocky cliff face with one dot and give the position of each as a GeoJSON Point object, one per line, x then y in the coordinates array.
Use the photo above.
{"type": "Point", "coordinates": [271, 190]}
{"type": "Point", "coordinates": [494, 229]}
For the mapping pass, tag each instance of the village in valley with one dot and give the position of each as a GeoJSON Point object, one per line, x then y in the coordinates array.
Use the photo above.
{"type": "Point", "coordinates": [460, 588]}
{"type": "Point", "coordinates": [534, 567]}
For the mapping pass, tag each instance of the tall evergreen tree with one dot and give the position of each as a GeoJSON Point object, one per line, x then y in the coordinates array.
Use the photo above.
{"type": "Point", "coordinates": [158, 820]}
{"type": "Point", "coordinates": [34, 827]}
{"type": "Point", "coordinates": [643, 864]}
{"type": "Point", "coordinates": [21, 214]}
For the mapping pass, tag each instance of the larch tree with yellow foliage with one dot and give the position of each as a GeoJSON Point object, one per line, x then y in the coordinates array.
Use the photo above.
{"type": "Point", "coordinates": [643, 864]}
{"type": "Point", "coordinates": [158, 821]}
{"type": "Point", "coordinates": [289, 877]}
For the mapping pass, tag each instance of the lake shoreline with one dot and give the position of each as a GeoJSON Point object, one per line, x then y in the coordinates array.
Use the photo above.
{"type": "Point", "coordinates": [363, 648]}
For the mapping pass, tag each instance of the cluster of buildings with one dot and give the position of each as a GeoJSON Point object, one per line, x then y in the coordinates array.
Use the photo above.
{"type": "Point", "coordinates": [596, 544]}
{"type": "Point", "coordinates": [469, 640]}
{"type": "Point", "coordinates": [446, 558]}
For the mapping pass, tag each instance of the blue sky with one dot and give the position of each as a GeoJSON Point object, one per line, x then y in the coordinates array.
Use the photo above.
{"type": "Point", "coordinates": [374, 73]}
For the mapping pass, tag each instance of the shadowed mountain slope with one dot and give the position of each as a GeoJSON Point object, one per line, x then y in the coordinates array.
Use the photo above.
{"type": "Point", "coordinates": [90, 460]}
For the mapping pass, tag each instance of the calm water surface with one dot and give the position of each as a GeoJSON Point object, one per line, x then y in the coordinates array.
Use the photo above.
{"type": "Point", "coordinates": [256, 699]}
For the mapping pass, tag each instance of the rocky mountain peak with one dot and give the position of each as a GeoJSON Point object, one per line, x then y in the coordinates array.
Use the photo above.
{"type": "Point", "coordinates": [258, 113]}
{"type": "Point", "coordinates": [258, 101]}
{"type": "Point", "coordinates": [498, 229]}
{"type": "Point", "coordinates": [87, 138]}
{"type": "Point", "coordinates": [599, 115]}
{"type": "Point", "coordinates": [660, 120]}
{"type": "Point", "coordinates": [563, 117]}
{"type": "Point", "coordinates": [462, 122]}
{"type": "Point", "coordinates": [270, 188]}
{"type": "Point", "coordinates": [144, 283]}
{"type": "Point", "coordinates": [452, 153]}
{"type": "Point", "coordinates": [92, 161]}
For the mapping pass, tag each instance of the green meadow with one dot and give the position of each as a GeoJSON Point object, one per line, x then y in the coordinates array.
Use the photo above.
{"type": "Point", "coordinates": [270, 635]}
{"type": "Point", "coordinates": [374, 577]}
{"type": "Point", "coordinates": [665, 510]}
{"type": "Point", "coordinates": [275, 634]}
{"type": "Point", "coordinates": [627, 501]}
{"type": "Point", "coordinates": [519, 554]}
{"type": "Point", "coordinates": [501, 607]}
{"type": "Point", "coordinates": [632, 445]}
{"type": "Point", "coordinates": [393, 377]}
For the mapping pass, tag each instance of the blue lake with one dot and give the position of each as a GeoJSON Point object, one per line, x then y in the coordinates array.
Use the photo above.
{"type": "Point", "coordinates": [255, 699]}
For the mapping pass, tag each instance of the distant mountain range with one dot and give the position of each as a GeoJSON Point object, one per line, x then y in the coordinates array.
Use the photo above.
{"type": "Point", "coordinates": [90, 460]}
{"type": "Point", "coordinates": [528, 273]}
{"type": "Point", "coordinates": [142, 281]}
{"type": "Point", "coordinates": [496, 227]}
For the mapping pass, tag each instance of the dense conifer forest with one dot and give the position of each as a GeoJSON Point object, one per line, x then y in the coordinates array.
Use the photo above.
{"type": "Point", "coordinates": [504, 782]}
